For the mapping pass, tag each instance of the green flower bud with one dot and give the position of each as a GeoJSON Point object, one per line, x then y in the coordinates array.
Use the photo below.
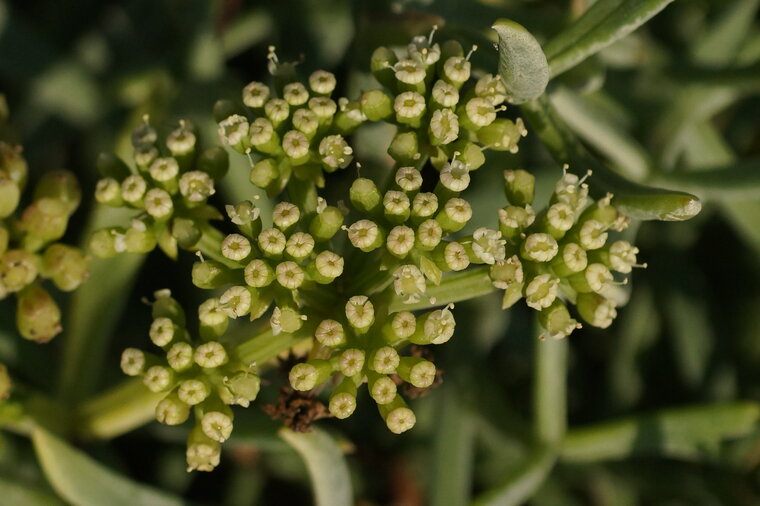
{"type": "Point", "coordinates": [196, 186]}
{"type": "Point", "coordinates": [400, 241]}
{"type": "Point", "coordinates": [103, 243]}
{"type": "Point", "coordinates": [236, 247]}
{"type": "Point", "coordinates": [13, 164]}
{"type": "Point", "coordinates": [514, 219]}
{"type": "Point", "coordinates": [410, 107]}
{"type": "Point", "coordinates": [559, 218]}
{"type": "Point", "coordinates": [286, 319]}
{"type": "Point", "coordinates": [326, 223]}
{"type": "Point", "coordinates": [417, 371]}
{"type": "Point", "coordinates": [185, 232]}
{"type": "Point", "coordinates": [335, 153]}
{"type": "Point", "coordinates": [384, 360]}
{"type": "Point", "coordinates": [330, 333]}
{"type": "Point", "coordinates": [343, 399]}
{"type": "Point", "coordinates": [295, 144]}
{"type": "Point", "coordinates": [236, 301]}
{"type": "Point", "coordinates": [133, 190]}
{"type": "Point", "coordinates": [381, 388]}
{"type": "Point", "coordinates": [596, 278]}
{"type": "Point", "coordinates": [214, 320]}
{"type": "Point", "coordinates": [144, 155]}
{"type": "Point", "coordinates": [159, 379]}
{"type": "Point", "coordinates": [272, 242]}
{"type": "Point", "coordinates": [289, 275]}
{"type": "Point", "coordinates": [307, 375]}
{"type": "Point", "coordinates": [557, 321]}
{"type": "Point", "coordinates": [214, 161]}
{"type": "Point", "coordinates": [408, 179]}
{"type": "Point", "coordinates": [470, 154]}
{"type": "Point", "coordinates": [258, 273]}
{"type": "Point", "coordinates": [445, 94]}
{"type": "Point", "coordinates": [133, 362]}
{"type": "Point", "coordinates": [60, 185]}
{"type": "Point", "coordinates": [306, 122]}
{"type": "Point", "coordinates": [182, 140]}
{"type": "Point", "coordinates": [590, 234]}
{"type": "Point", "coordinates": [351, 362]}
{"type": "Point", "coordinates": [424, 206]}
{"type": "Point", "coordinates": [399, 328]}
{"type": "Point", "coordinates": [172, 411]}
{"type": "Point", "coordinates": [43, 221]}
{"type": "Point", "coordinates": [454, 215]}
{"type": "Point", "coordinates": [194, 391]}
{"type": "Point", "coordinates": [604, 212]}
{"type": "Point", "coordinates": [263, 137]}
{"type": "Point", "coordinates": [366, 235]}
{"type": "Point", "coordinates": [299, 246]}
{"type": "Point", "coordinates": [398, 417]}
{"type": "Point", "coordinates": [519, 187]}
{"type": "Point", "coordinates": [596, 310]}
{"type": "Point", "coordinates": [264, 173]}
{"type": "Point", "coordinates": [210, 355]}
{"type": "Point", "coordinates": [108, 192]}
{"type": "Point", "coordinates": [381, 64]}
{"type": "Point", "coordinates": [203, 453]}
{"type": "Point", "coordinates": [376, 105]}
{"type": "Point", "coordinates": [111, 166]}
{"type": "Point", "coordinates": [539, 247]}
{"type": "Point", "coordinates": [285, 216]}
{"type": "Point", "coordinates": [325, 109]}
{"type": "Point", "coordinates": [405, 148]}
{"type": "Point", "coordinates": [66, 265]}
{"type": "Point", "coordinates": [364, 195]}
{"type": "Point", "coordinates": [165, 171]}
{"type": "Point", "coordinates": [360, 313]}
{"type": "Point", "coordinates": [255, 95]}
{"type": "Point", "coordinates": [233, 131]}
{"type": "Point", "coordinates": [512, 294]}
{"type": "Point", "coordinates": [10, 194]}
{"type": "Point", "coordinates": [444, 127]}
{"type": "Point", "coordinates": [158, 204]}
{"type": "Point", "coordinates": [541, 291]}
{"type": "Point", "coordinates": [451, 256]}
{"type": "Point", "coordinates": [396, 206]}
{"type": "Point", "coordinates": [477, 113]}
{"type": "Point", "coordinates": [139, 238]}
{"type": "Point", "coordinates": [244, 386]}
{"type": "Point", "coordinates": [506, 272]}
{"type": "Point", "coordinates": [217, 424]}
{"type": "Point", "coordinates": [180, 357]}
{"type": "Point", "coordinates": [503, 135]}
{"type": "Point", "coordinates": [326, 267]}
{"type": "Point", "coordinates": [621, 256]}
{"type": "Point", "coordinates": [410, 75]}
{"type": "Point", "coordinates": [429, 235]}
{"type": "Point", "coordinates": [456, 69]}
{"type": "Point", "coordinates": [295, 94]}
{"type": "Point", "coordinates": [349, 117]}
{"type": "Point", "coordinates": [18, 269]}
{"type": "Point", "coordinates": [322, 82]}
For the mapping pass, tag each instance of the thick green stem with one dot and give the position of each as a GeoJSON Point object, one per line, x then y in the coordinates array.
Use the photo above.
{"type": "Point", "coordinates": [550, 391]}
{"type": "Point", "coordinates": [454, 288]}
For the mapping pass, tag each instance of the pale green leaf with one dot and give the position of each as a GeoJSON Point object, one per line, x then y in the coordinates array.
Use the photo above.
{"type": "Point", "coordinates": [82, 481]}
{"type": "Point", "coordinates": [522, 64]}
{"type": "Point", "coordinates": [327, 467]}
{"type": "Point", "coordinates": [19, 494]}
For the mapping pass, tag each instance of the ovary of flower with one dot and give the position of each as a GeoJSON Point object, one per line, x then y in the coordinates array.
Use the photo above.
{"type": "Point", "coordinates": [330, 333]}
{"type": "Point", "coordinates": [560, 216]}
{"type": "Point", "coordinates": [236, 247]}
{"type": "Point", "coordinates": [255, 94]}
{"type": "Point", "coordinates": [235, 301]}
{"type": "Point", "coordinates": [488, 246]}
{"type": "Point", "coordinates": [541, 291]}
{"type": "Point", "coordinates": [491, 87]}
{"type": "Point", "coordinates": [360, 311]}
{"type": "Point", "coordinates": [445, 94]}
{"type": "Point", "coordinates": [593, 235]}
{"type": "Point", "coordinates": [409, 104]}
{"type": "Point", "coordinates": [322, 82]}
{"type": "Point", "coordinates": [233, 130]}
{"type": "Point", "coordinates": [277, 110]}
{"type": "Point", "coordinates": [540, 247]}
{"type": "Point", "coordinates": [196, 186]}
{"type": "Point", "coordinates": [289, 275]}
{"type": "Point", "coordinates": [363, 233]}
{"type": "Point", "coordinates": [480, 111]}
{"type": "Point", "coordinates": [295, 94]}
{"type": "Point", "coordinates": [439, 325]}
{"type": "Point", "coordinates": [158, 203]}
{"type": "Point", "coordinates": [444, 125]}
{"type": "Point", "coordinates": [261, 131]}
{"type": "Point", "coordinates": [299, 245]}
{"type": "Point", "coordinates": [400, 240]}
{"type": "Point", "coordinates": [409, 282]}
{"type": "Point", "coordinates": [408, 179]}
{"type": "Point", "coordinates": [409, 71]}
{"type": "Point", "coordinates": [335, 151]}
{"type": "Point", "coordinates": [623, 256]}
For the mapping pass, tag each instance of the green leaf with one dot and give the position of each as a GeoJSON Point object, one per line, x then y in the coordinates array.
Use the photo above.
{"type": "Point", "coordinates": [633, 199]}
{"type": "Point", "coordinates": [453, 288]}
{"type": "Point", "coordinates": [681, 433]}
{"type": "Point", "coordinates": [738, 181]}
{"type": "Point", "coordinates": [522, 64]}
{"type": "Point", "coordinates": [327, 467]}
{"type": "Point", "coordinates": [723, 40]}
{"type": "Point", "coordinates": [24, 495]}
{"type": "Point", "coordinates": [82, 481]}
{"type": "Point", "coordinates": [520, 486]}
{"type": "Point", "coordinates": [605, 22]}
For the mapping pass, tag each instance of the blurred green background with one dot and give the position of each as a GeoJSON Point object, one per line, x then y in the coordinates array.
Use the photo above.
{"type": "Point", "coordinates": [679, 95]}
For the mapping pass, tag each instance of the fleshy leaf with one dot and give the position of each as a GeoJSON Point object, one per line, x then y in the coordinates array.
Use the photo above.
{"type": "Point", "coordinates": [522, 64]}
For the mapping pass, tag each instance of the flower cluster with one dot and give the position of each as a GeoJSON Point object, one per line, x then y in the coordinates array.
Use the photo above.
{"type": "Point", "coordinates": [202, 374]}
{"type": "Point", "coordinates": [561, 252]}
{"type": "Point", "coordinates": [29, 247]}
{"type": "Point", "coordinates": [169, 186]}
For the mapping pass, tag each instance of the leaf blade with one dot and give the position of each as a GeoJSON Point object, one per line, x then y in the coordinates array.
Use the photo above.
{"type": "Point", "coordinates": [522, 63]}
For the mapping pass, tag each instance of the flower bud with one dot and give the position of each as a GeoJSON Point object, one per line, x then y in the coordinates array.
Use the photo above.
{"type": "Point", "coordinates": [299, 246]}
{"type": "Point", "coordinates": [196, 186]}
{"type": "Point", "coordinates": [364, 195]}
{"type": "Point", "coordinates": [210, 355]}
{"type": "Point", "coordinates": [60, 185]}
{"type": "Point", "coordinates": [444, 127]}
{"type": "Point", "coordinates": [180, 357]}
{"type": "Point", "coordinates": [108, 192]}
{"type": "Point", "coordinates": [539, 247]}
{"type": "Point", "coordinates": [476, 113]}
{"type": "Point", "coordinates": [351, 362]}
{"type": "Point", "coordinates": [286, 319]}
{"type": "Point", "coordinates": [307, 375]}
{"type": "Point", "coordinates": [502, 135]}
{"type": "Point", "coordinates": [360, 313]}
{"type": "Point", "coordinates": [596, 310]}
{"type": "Point", "coordinates": [103, 243]}
{"type": "Point", "coordinates": [158, 204]}
{"type": "Point", "coordinates": [182, 142]}
{"type": "Point", "coordinates": [454, 215]}
{"type": "Point", "coordinates": [264, 173]}
{"type": "Point", "coordinates": [295, 144]}
{"type": "Point", "coordinates": [133, 361]}
{"type": "Point", "coordinates": [417, 371]}
{"type": "Point", "coordinates": [172, 411]}
{"type": "Point", "coordinates": [343, 399]}
{"type": "Point", "coordinates": [384, 360]}
{"type": "Point", "coordinates": [437, 327]}
{"type": "Point", "coordinates": [194, 391]}
{"type": "Point", "coordinates": [366, 235]}
{"type": "Point", "coordinates": [263, 137]}
{"type": "Point", "coordinates": [271, 242]}
{"type": "Point", "coordinates": [410, 108]}
{"type": "Point", "coordinates": [66, 265]}
{"type": "Point", "coordinates": [324, 108]}
{"type": "Point", "coordinates": [456, 70]}
{"type": "Point", "coordinates": [5, 383]}
{"type": "Point", "coordinates": [289, 275]}
{"type": "Point", "coordinates": [326, 267]}
{"type": "Point", "coordinates": [381, 388]}
{"type": "Point", "coordinates": [203, 453]}
{"type": "Point", "coordinates": [326, 223]}
{"type": "Point", "coordinates": [396, 206]}
{"type": "Point", "coordinates": [236, 247]}
{"type": "Point", "coordinates": [43, 221]}
{"type": "Point", "coordinates": [429, 235]}
{"type": "Point", "coordinates": [217, 424]}
{"type": "Point", "coordinates": [400, 241]}
{"type": "Point", "coordinates": [559, 218]}
{"type": "Point", "coordinates": [159, 379]}
{"type": "Point", "coordinates": [444, 94]}
{"type": "Point", "coordinates": [236, 301]}
{"type": "Point", "coordinates": [376, 105]}
{"type": "Point", "coordinates": [399, 328]}
{"type": "Point", "coordinates": [451, 256]}
{"type": "Point", "coordinates": [349, 116]}
{"type": "Point", "coordinates": [424, 206]}
{"type": "Point", "coordinates": [305, 121]}
{"type": "Point", "coordinates": [381, 64]}
{"type": "Point", "coordinates": [214, 320]}
{"type": "Point", "coordinates": [133, 190]}
{"type": "Point", "coordinates": [405, 148]}
{"type": "Point", "coordinates": [455, 177]}
{"type": "Point", "coordinates": [285, 216]}
{"type": "Point", "coordinates": [541, 291]}
{"type": "Point", "coordinates": [487, 246]}
{"type": "Point", "coordinates": [233, 131]}
{"type": "Point", "coordinates": [322, 82]}
{"type": "Point", "coordinates": [18, 269]}
{"type": "Point", "coordinates": [295, 94]}
{"type": "Point", "coordinates": [330, 333]}
{"type": "Point", "coordinates": [398, 417]}
{"type": "Point", "coordinates": [570, 259]}
{"type": "Point", "coordinates": [244, 386]}
{"type": "Point", "coordinates": [139, 237]}
{"type": "Point", "coordinates": [185, 232]}
{"type": "Point", "coordinates": [596, 278]}
{"type": "Point", "coordinates": [519, 187]}
{"type": "Point", "coordinates": [10, 194]}
{"type": "Point", "coordinates": [258, 273]}
{"type": "Point", "coordinates": [255, 95]}
{"type": "Point", "coordinates": [557, 321]}
{"type": "Point", "coordinates": [410, 75]}
{"type": "Point", "coordinates": [514, 219]}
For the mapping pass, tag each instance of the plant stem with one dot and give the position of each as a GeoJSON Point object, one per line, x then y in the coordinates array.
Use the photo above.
{"type": "Point", "coordinates": [454, 288]}
{"type": "Point", "coordinates": [550, 391]}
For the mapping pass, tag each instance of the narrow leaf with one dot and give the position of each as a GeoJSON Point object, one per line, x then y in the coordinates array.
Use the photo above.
{"type": "Point", "coordinates": [734, 182]}
{"type": "Point", "coordinates": [19, 494]}
{"type": "Point", "coordinates": [633, 199]}
{"type": "Point", "coordinates": [682, 433]}
{"type": "Point", "coordinates": [82, 481]}
{"type": "Point", "coordinates": [522, 64]}
{"type": "Point", "coordinates": [327, 467]}
{"type": "Point", "coordinates": [602, 24]}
